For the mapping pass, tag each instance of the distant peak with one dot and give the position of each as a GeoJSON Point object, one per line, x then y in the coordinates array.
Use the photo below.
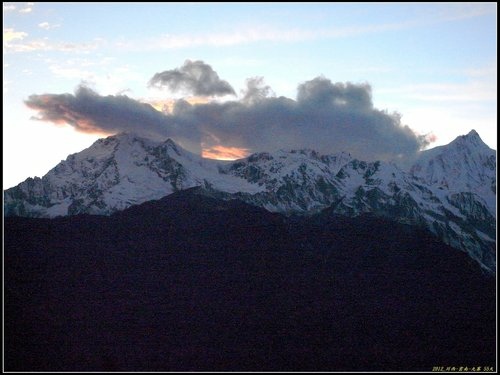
{"type": "Point", "coordinates": [171, 145]}
{"type": "Point", "coordinates": [473, 133]}
{"type": "Point", "coordinates": [132, 137]}
{"type": "Point", "coordinates": [123, 135]}
{"type": "Point", "coordinates": [170, 142]}
{"type": "Point", "coordinates": [471, 138]}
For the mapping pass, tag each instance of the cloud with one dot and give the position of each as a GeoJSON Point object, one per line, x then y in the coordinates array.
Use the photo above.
{"type": "Point", "coordinates": [256, 90]}
{"type": "Point", "coordinates": [89, 112]}
{"type": "Point", "coordinates": [262, 33]}
{"type": "Point", "coordinates": [460, 11]}
{"type": "Point", "coordinates": [256, 34]}
{"type": "Point", "coordinates": [224, 153]}
{"type": "Point", "coordinates": [47, 45]}
{"type": "Point", "coordinates": [47, 26]}
{"type": "Point", "coordinates": [196, 77]}
{"type": "Point", "coordinates": [10, 34]}
{"type": "Point", "coordinates": [27, 9]}
{"type": "Point", "coordinates": [8, 7]}
{"type": "Point", "coordinates": [325, 116]}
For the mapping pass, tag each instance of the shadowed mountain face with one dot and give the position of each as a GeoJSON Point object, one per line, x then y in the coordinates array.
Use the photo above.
{"type": "Point", "coordinates": [193, 283]}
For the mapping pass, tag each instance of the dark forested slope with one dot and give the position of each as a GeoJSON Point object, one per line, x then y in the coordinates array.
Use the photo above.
{"type": "Point", "coordinates": [192, 283]}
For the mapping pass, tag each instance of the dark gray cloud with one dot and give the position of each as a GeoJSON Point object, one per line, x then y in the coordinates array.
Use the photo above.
{"type": "Point", "coordinates": [90, 112]}
{"type": "Point", "coordinates": [256, 90]}
{"type": "Point", "coordinates": [321, 92]}
{"type": "Point", "coordinates": [326, 116]}
{"type": "Point", "coordinates": [195, 77]}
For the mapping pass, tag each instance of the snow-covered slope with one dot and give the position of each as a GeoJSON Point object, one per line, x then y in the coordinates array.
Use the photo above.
{"type": "Point", "coordinates": [451, 190]}
{"type": "Point", "coordinates": [462, 220]}
{"type": "Point", "coordinates": [293, 181]}
{"type": "Point", "coordinates": [465, 165]}
{"type": "Point", "coordinates": [113, 174]}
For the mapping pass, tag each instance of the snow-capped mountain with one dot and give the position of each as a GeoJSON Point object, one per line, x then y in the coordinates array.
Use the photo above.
{"type": "Point", "coordinates": [465, 165]}
{"type": "Point", "coordinates": [451, 190]}
{"type": "Point", "coordinates": [113, 174]}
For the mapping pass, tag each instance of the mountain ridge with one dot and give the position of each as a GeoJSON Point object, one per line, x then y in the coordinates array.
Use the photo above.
{"type": "Point", "coordinates": [450, 190]}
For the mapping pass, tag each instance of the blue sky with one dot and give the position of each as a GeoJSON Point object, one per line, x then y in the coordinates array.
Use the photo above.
{"type": "Point", "coordinates": [435, 64]}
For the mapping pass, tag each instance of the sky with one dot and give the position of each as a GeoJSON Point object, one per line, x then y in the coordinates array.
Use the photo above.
{"type": "Point", "coordinates": [381, 81]}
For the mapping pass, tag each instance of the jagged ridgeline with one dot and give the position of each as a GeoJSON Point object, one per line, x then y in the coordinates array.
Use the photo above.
{"type": "Point", "coordinates": [450, 190]}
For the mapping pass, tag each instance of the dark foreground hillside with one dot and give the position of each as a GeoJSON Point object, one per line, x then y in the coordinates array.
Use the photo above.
{"type": "Point", "coordinates": [190, 283]}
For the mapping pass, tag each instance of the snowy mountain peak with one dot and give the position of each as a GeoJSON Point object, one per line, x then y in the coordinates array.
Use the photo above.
{"type": "Point", "coordinates": [472, 140]}
{"type": "Point", "coordinates": [128, 141]}
{"type": "Point", "coordinates": [473, 133]}
{"type": "Point", "coordinates": [169, 143]}
{"type": "Point", "coordinates": [123, 137]}
{"type": "Point", "coordinates": [466, 165]}
{"type": "Point", "coordinates": [131, 137]}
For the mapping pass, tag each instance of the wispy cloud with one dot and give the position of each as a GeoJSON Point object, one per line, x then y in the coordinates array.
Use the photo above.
{"type": "Point", "coordinates": [253, 35]}
{"type": "Point", "coordinates": [10, 35]}
{"type": "Point", "coordinates": [8, 7]}
{"type": "Point", "coordinates": [48, 26]}
{"type": "Point", "coordinates": [47, 45]}
{"type": "Point", "coordinates": [263, 33]}
{"type": "Point", "coordinates": [479, 86]}
{"type": "Point", "coordinates": [27, 9]}
{"type": "Point", "coordinates": [486, 72]}
{"type": "Point", "coordinates": [460, 11]}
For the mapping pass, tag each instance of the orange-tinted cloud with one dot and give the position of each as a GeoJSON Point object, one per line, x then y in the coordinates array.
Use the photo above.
{"type": "Point", "coordinates": [431, 138]}
{"type": "Point", "coordinates": [89, 112]}
{"type": "Point", "coordinates": [220, 152]}
{"type": "Point", "coordinates": [167, 105]}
